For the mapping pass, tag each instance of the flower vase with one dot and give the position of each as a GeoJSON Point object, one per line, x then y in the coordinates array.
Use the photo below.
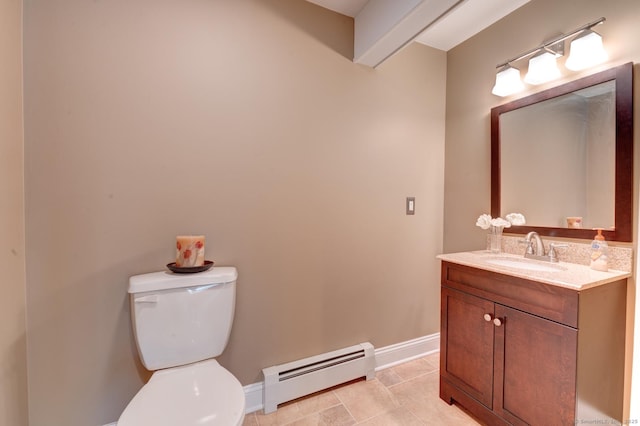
{"type": "Point", "coordinates": [495, 239]}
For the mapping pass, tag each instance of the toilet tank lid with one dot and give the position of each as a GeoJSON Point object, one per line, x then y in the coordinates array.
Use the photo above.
{"type": "Point", "coordinates": [165, 280]}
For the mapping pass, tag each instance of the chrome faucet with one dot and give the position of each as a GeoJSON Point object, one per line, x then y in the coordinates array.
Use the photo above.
{"type": "Point", "coordinates": [537, 251]}
{"type": "Point", "coordinates": [539, 248]}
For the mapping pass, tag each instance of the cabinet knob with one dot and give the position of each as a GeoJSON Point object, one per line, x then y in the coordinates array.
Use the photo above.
{"type": "Point", "coordinates": [497, 322]}
{"type": "Point", "coordinates": [488, 317]}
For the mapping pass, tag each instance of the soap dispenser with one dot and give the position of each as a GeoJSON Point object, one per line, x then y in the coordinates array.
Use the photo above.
{"type": "Point", "coordinates": [599, 253]}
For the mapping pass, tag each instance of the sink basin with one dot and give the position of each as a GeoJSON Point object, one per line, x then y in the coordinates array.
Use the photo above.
{"type": "Point", "coordinates": [524, 264]}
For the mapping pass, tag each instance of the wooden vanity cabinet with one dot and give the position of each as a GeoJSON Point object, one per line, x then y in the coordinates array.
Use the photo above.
{"type": "Point", "coordinates": [515, 351]}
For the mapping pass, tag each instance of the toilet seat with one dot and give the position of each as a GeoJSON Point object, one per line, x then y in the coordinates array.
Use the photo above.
{"type": "Point", "coordinates": [203, 393]}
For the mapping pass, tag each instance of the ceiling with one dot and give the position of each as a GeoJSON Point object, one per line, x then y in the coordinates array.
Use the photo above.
{"type": "Point", "coordinates": [465, 19]}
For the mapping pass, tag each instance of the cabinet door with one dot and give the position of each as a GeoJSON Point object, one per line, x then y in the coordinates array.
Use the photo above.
{"type": "Point", "coordinates": [467, 341]}
{"type": "Point", "coordinates": [535, 376]}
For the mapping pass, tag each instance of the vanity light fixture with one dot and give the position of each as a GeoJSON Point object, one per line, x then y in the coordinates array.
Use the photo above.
{"type": "Point", "coordinates": [586, 51]}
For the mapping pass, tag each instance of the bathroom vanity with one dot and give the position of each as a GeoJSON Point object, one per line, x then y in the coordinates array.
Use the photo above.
{"type": "Point", "coordinates": [536, 344]}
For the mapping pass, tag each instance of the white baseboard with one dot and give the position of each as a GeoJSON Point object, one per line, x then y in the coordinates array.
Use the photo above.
{"type": "Point", "coordinates": [253, 397]}
{"type": "Point", "coordinates": [386, 357]}
{"type": "Point", "coordinates": [399, 353]}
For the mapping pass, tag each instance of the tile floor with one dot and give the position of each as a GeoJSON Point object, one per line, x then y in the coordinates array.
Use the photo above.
{"type": "Point", "coordinates": [404, 395]}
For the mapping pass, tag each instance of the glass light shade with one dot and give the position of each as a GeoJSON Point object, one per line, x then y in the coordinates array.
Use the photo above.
{"type": "Point", "coordinates": [507, 82]}
{"type": "Point", "coordinates": [586, 51]}
{"type": "Point", "coordinates": [542, 68]}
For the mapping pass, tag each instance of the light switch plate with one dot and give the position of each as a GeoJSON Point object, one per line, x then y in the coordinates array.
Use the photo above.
{"type": "Point", "coordinates": [411, 205]}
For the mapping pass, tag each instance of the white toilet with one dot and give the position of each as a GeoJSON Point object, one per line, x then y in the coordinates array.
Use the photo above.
{"type": "Point", "coordinates": [181, 322]}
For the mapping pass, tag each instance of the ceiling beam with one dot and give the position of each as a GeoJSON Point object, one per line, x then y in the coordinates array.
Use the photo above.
{"type": "Point", "coordinates": [383, 27]}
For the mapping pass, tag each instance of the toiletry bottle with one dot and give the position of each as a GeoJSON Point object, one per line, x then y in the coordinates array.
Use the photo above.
{"type": "Point", "coordinates": [599, 253]}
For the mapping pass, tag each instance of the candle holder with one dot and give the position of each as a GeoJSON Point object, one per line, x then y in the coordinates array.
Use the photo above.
{"type": "Point", "coordinates": [189, 269]}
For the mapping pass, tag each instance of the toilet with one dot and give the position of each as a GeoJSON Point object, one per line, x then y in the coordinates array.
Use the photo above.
{"type": "Point", "coordinates": [181, 322]}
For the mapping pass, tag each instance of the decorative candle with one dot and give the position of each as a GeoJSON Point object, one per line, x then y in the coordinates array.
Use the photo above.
{"type": "Point", "coordinates": [574, 222]}
{"type": "Point", "coordinates": [189, 250]}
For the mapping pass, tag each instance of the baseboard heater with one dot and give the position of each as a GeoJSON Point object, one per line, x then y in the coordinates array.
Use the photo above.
{"type": "Point", "coordinates": [295, 379]}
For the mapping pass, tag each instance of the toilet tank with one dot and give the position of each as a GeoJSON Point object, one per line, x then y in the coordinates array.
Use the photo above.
{"type": "Point", "coordinates": [182, 318]}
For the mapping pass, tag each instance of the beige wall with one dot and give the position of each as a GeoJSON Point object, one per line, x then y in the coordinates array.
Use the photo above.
{"type": "Point", "coordinates": [242, 120]}
{"type": "Point", "coordinates": [13, 357]}
{"type": "Point", "coordinates": [470, 77]}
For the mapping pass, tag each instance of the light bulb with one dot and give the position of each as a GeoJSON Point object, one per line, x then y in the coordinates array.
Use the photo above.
{"type": "Point", "coordinates": [542, 68]}
{"type": "Point", "coordinates": [586, 51]}
{"type": "Point", "coordinates": [507, 82]}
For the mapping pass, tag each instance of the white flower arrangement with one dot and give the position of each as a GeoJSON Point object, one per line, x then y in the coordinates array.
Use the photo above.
{"type": "Point", "coordinates": [485, 221]}
{"type": "Point", "coordinates": [516, 219]}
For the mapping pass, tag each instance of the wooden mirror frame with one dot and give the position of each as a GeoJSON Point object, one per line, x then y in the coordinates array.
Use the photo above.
{"type": "Point", "coordinates": [623, 76]}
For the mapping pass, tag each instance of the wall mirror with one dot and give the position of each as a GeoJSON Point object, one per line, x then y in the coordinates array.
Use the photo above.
{"type": "Point", "coordinates": [567, 152]}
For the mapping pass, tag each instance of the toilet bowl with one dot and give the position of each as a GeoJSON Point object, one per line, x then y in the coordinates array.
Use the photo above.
{"type": "Point", "coordinates": [181, 322]}
{"type": "Point", "coordinates": [203, 393]}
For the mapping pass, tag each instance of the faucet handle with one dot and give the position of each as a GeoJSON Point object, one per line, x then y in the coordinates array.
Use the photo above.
{"type": "Point", "coordinates": [553, 256]}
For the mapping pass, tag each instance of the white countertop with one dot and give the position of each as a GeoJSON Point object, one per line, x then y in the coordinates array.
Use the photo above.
{"type": "Point", "coordinates": [569, 275]}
